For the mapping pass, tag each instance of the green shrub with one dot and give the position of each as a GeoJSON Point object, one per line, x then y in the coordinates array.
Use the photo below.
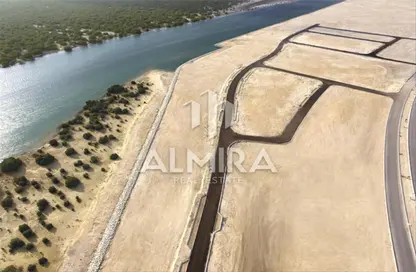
{"type": "Point", "coordinates": [112, 137]}
{"type": "Point", "coordinates": [70, 151]}
{"type": "Point", "coordinates": [116, 89]}
{"type": "Point", "coordinates": [114, 156]}
{"type": "Point", "coordinates": [19, 189]}
{"type": "Point", "coordinates": [21, 181]}
{"type": "Point", "coordinates": [46, 241]}
{"type": "Point", "coordinates": [54, 142]}
{"type": "Point", "coordinates": [65, 143]}
{"type": "Point", "coordinates": [103, 140]}
{"type": "Point", "coordinates": [52, 190]}
{"type": "Point", "coordinates": [87, 151]}
{"type": "Point", "coordinates": [45, 159]}
{"type": "Point", "coordinates": [24, 227]}
{"type": "Point", "coordinates": [28, 234]}
{"type": "Point", "coordinates": [29, 247]}
{"type": "Point", "coordinates": [65, 137]}
{"type": "Point", "coordinates": [87, 136]}
{"type": "Point", "coordinates": [16, 243]}
{"type": "Point", "coordinates": [49, 226]}
{"type": "Point", "coordinates": [65, 125]}
{"type": "Point", "coordinates": [94, 159]}
{"type": "Point", "coordinates": [31, 267]}
{"type": "Point", "coordinates": [78, 163]}
{"type": "Point", "coordinates": [78, 120]}
{"type": "Point", "coordinates": [35, 184]}
{"type": "Point", "coordinates": [7, 202]}
{"type": "Point", "coordinates": [72, 182]}
{"type": "Point", "coordinates": [118, 110]}
{"type": "Point", "coordinates": [55, 180]}
{"type": "Point", "coordinates": [10, 164]}
{"type": "Point", "coordinates": [67, 204]}
{"type": "Point", "coordinates": [86, 175]}
{"type": "Point", "coordinates": [43, 261]}
{"type": "Point", "coordinates": [42, 204]}
{"type": "Point", "coordinates": [86, 167]}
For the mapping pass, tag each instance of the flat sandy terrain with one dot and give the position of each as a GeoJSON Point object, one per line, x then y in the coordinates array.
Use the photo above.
{"type": "Point", "coordinates": [285, 94]}
{"type": "Point", "coordinates": [404, 50]}
{"type": "Point", "coordinates": [347, 33]}
{"type": "Point", "coordinates": [79, 230]}
{"type": "Point", "coordinates": [327, 211]}
{"type": "Point", "coordinates": [339, 43]}
{"type": "Point", "coordinates": [160, 209]}
{"type": "Point", "coordinates": [322, 210]}
{"type": "Point", "coordinates": [376, 74]}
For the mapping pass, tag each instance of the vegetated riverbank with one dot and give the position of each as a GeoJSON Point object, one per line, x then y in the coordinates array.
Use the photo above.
{"type": "Point", "coordinates": [256, 4]}
{"type": "Point", "coordinates": [49, 200]}
{"type": "Point", "coordinates": [33, 28]}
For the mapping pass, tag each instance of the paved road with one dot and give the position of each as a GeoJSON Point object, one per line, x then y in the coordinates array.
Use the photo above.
{"type": "Point", "coordinates": [403, 249]}
{"type": "Point", "coordinates": [412, 143]}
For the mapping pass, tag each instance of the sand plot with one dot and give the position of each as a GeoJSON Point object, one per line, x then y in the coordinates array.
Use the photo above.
{"type": "Point", "coordinates": [267, 100]}
{"type": "Point", "coordinates": [151, 231]}
{"type": "Point", "coordinates": [366, 72]}
{"type": "Point", "coordinates": [339, 43]}
{"type": "Point", "coordinates": [404, 50]}
{"type": "Point", "coordinates": [351, 34]}
{"type": "Point", "coordinates": [324, 209]}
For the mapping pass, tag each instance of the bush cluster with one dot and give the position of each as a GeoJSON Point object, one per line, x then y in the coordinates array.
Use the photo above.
{"type": "Point", "coordinates": [114, 156]}
{"type": "Point", "coordinates": [78, 163]}
{"type": "Point", "coordinates": [54, 142]}
{"type": "Point", "coordinates": [70, 151]}
{"type": "Point", "coordinates": [72, 182]}
{"type": "Point", "coordinates": [116, 89]}
{"type": "Point", "coordinates": [21, 181]}
{"type": "Point", "coordinates": [44, 159]}
{"type": "Point", "coordinates": [103, 140]}
{"type": "Point", "coordinates": [118, 110]}
{"type": "Point", "coordinates": [94, 159]}
{"type": "Point", "coordinates": [10, 164]}
{"type": "Point", "coordinates": [26, 231]}
{"type": "Point", "coordinates": [87, 136]}
{"type": "Point", "coordinates": [16, 243]}
{"type": "Point", "coordinates": [7, 202]}
{"type": "Point", "coordinates": [42, 204]}
{"type": "Point", "coordinates": [43, 261]}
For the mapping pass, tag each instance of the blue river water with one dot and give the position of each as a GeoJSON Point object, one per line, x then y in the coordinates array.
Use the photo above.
{"type": "Point", "coordinates": [38, 96]}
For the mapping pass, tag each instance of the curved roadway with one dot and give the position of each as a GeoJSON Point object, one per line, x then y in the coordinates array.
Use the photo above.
{"type": "Point", "coordinates": [402, 244]}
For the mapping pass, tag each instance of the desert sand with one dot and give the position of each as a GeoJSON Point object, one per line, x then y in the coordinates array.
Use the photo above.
{"type": "Point", "coordinates": [347, 33]}
{"type": "Point", "coordinates": [78, 231]}
{"type": "Point", "coordinates": [285, 94]}
{"type": "Point", "coordinates": [156, 229]}
{"type": "Point", "coordinates": [322, 210]}
{"type": "Point", "coordinates": [404, 50]}
{"type": "Point", "coordinates": [346, 44]}
{"type": "Point", "coordinates": [376, 74]}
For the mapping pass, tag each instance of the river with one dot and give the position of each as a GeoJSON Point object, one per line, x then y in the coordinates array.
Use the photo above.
{"type": "Point", "coordinates": [35, 97]}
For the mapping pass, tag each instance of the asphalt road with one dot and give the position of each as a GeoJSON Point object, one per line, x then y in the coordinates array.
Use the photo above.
{"type": "Point", "coordinates": [412, 143]}
{"type": "Point", "coordinates": [403, 249]}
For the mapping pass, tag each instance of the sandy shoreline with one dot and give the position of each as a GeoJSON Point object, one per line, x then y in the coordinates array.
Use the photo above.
{"type": "Point", "coordinates": [76, 231]}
